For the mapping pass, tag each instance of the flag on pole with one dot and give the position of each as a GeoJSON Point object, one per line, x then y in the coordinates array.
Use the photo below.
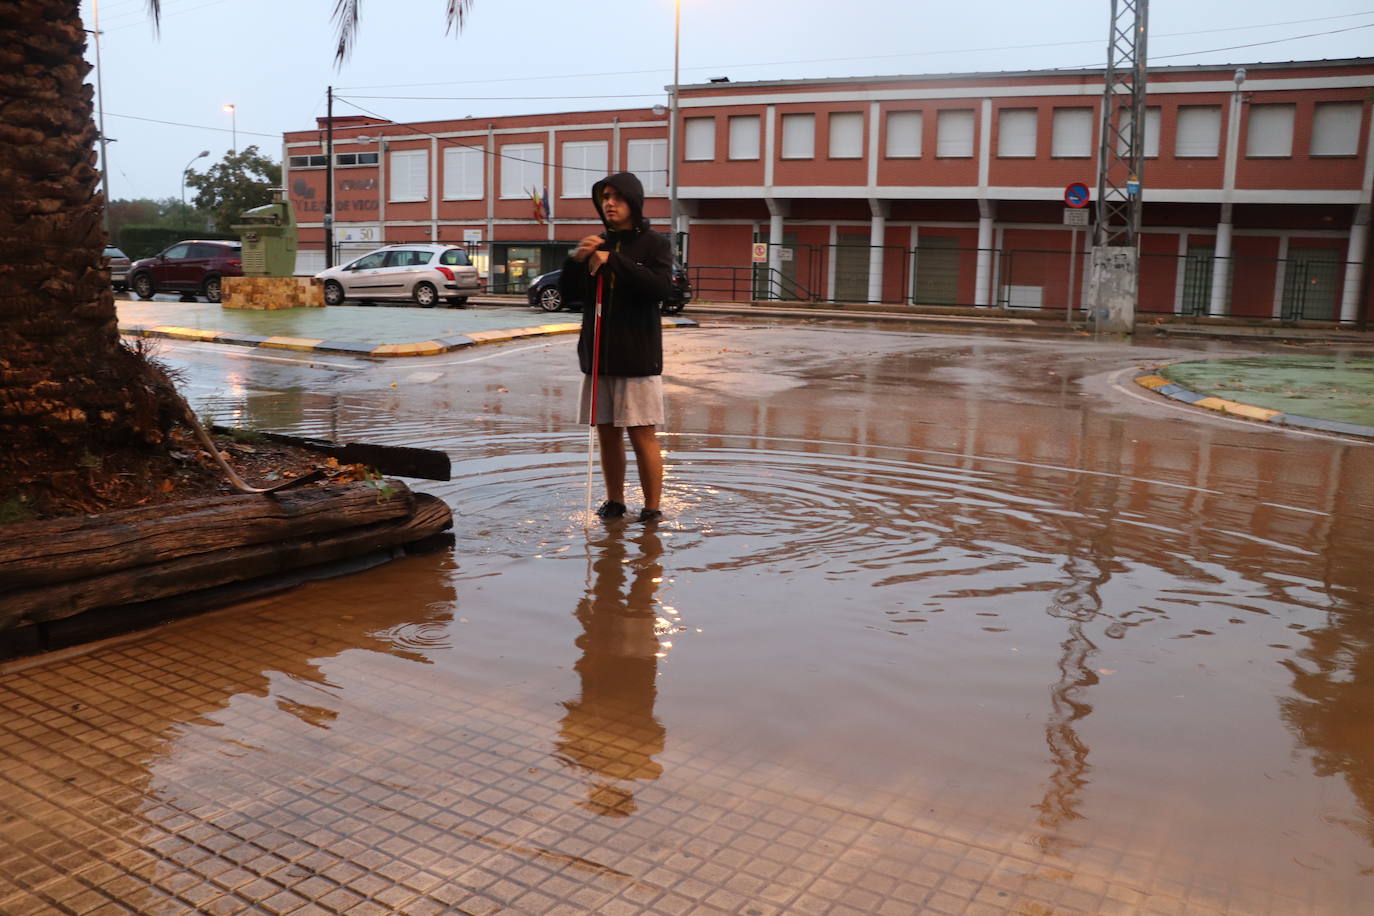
{"type": "Point", "coordinates": [541, 205]}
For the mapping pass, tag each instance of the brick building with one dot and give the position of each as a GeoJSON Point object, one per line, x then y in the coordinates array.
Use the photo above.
{"type": "Point", "coordinates": [944, 189]}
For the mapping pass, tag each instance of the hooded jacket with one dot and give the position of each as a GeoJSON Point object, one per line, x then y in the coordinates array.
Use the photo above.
{"type": "Point", "coordinates": [636, 277]}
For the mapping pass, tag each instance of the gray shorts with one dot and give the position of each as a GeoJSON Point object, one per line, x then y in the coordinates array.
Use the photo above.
{"type": "Point", "coordinates": [623, 400]}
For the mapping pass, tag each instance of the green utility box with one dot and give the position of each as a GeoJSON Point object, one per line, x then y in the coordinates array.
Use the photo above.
{"type": "Point", "coordinates": [269, 238]}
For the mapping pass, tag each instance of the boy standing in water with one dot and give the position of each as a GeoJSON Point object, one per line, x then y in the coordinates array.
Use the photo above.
{"type": "Point", "coordinates": [633, 264]}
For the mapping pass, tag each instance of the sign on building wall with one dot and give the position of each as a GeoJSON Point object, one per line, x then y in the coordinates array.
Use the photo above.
{"type": "Point", "coordinates": [760, 255]}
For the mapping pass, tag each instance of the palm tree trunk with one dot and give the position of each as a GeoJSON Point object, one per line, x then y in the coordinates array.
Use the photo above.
{"type": "Point", "coordinates": [70, 392]}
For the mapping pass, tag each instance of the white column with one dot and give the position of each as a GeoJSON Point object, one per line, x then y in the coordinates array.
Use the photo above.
{"type": "Point", "coordinates": [1181, 274]}
{"type": "Point", "coordinates": [1354, 264]}
{"type": "Point", "coordinates": [876, 233]}
{"type": "Point", "coordinates": [910, 294]}
{"type": "Point", "coordinates": [1280, 276]}
{"type": "Point", "coordinates": [982, 283]}
{"type": "Point", "coordinates": [1221, 265]}
{"type": "Point", "coordinates": [776, 211]}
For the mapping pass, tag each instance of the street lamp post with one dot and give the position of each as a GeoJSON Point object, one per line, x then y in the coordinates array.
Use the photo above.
{"type": "Point", "coordinates": [200, 155]}
{"type": "Point", "coordinates": [673, 157]}
{"type": "Point", "coordinates": [233, 125]}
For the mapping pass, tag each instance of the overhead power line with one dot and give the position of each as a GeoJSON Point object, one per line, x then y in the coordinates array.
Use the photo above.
{"type": "Point", "coordinates": [223, 130]}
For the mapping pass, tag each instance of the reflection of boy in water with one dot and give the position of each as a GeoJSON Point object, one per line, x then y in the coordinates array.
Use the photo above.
{"type": "Point", "coordinates": [610, 729]}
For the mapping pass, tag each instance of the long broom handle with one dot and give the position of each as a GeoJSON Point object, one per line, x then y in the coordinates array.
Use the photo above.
{"type": "Point", "coordinates": [596, 370]}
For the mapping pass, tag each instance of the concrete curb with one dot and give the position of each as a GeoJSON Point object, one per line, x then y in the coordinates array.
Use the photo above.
{"type": "Point", "coordinates": [1160, 385]}
{"type": "Point", "coordinates": [358, 348]}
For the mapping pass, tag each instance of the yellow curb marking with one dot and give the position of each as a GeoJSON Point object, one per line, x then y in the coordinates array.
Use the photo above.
{"type": "Point", "coordinates": [292, 343]}
{"type": "Point", "coordinates": [1152, 381]}
{"type": "Point", "coordinates": [1243, 410]}
{"type": "Point", "coordinates": [193, 333]}
{"type": "Point", "coordinates": [419, 348]}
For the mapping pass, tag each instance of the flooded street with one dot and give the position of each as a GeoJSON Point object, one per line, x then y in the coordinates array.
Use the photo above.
{"type": "Point", "coordinates": [935, 623]}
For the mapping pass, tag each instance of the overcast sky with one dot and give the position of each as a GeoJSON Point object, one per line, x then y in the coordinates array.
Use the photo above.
{"type": "Point", "coordinates": [274, 58]}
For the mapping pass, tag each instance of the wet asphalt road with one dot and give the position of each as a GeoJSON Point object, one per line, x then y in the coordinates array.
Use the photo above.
{"type": "Point", "coordinates": [936, 622]}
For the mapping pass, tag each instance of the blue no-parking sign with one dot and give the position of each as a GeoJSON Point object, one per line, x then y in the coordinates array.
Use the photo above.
{"type": "Point", "coordinates": [1076, 195]}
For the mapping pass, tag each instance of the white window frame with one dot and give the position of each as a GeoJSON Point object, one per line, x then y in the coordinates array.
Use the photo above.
{"type": "Point", "coordinates": [745, 132]}
{"type": "Point", "coordinates": [1153, 116]}
{"type": "Point", "coordinates": [1327, 141]}
{"type": "Point", "coordinates": [798, 136]}
{"type": "Point", "coordinates": [1193, 114]}
{"type": "Point", "coordinates": [699, 136]}
{"type": "Point", "coordinates": [583, 163]}
{"type": "Point", "coordinates": [955, 147]}
{"type": "Point", "coordinates": [915, 118]}
{"type": "Point", "coordinates": [648, 158]}
{"type": "Point", "coordinates": [1067, 125]}
{"type": "Point", "coordinates": [459, 181]}
{"type": "Point", "coordinates": [413, 164]}
{"type": "Point", "coordinates": [1269, 130]}
{"type": "Point", "coordinates": [527, 174]}
{"type": "Point", "coordinates": [1017, 130]}
{"type": "Point", "coordinates": [840, 146]}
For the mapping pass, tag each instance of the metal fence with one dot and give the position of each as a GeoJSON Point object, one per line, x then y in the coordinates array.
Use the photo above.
{"type": "Point", "coordinates": [1306, 285]}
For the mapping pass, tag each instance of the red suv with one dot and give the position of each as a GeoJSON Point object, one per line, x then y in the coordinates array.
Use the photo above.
{"type": "Point", "coordinates": [191, 268]}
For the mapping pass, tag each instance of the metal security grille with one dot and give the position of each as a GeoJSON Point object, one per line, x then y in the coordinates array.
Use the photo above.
{"type": "Point", "coordinates": [937, 271]}
{"type": "Point", "coordinates": [1310, 284]}
{"type": "Point", "coordinates": [1197, 280]}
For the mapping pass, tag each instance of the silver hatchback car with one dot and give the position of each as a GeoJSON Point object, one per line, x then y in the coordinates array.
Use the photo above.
{"type": "Point", "coordinates": [424, 273]}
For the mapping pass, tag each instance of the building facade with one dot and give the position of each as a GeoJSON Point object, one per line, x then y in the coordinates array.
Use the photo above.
{"type": "Point", "coordinates": [923, 190]}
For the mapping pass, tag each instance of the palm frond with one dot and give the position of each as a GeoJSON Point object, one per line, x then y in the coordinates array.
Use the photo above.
{"type": "Point", "coordinates": [346, 19]}
{"type": "Point", "coordinates": [155, 11]}
{"type": "Point", "coordinates": [457, 10]}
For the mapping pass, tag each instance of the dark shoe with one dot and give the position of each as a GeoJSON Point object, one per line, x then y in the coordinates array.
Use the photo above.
{"type": "Point", "coordinates": [611, 509]}
{"type": "Point", "coordinates": [649, 515]}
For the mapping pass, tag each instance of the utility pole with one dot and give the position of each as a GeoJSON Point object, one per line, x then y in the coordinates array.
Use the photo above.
{"type": "Point", "coordinates": [329, 181]}
{"type": "Point", "coordinates": [100, 124]}
{"type": "Point", "coordinates": [1115, 271]}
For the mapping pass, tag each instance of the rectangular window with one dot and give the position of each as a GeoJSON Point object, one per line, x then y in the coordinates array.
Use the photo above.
{"type": "Point", "coordinates": [699, 136]}
{"type": "Point", "coordinates": [954, 133]}
{"type": "Point", "coordinates": [584, 164]}
{"type": "Point", "coordinates": [346, 159]}
{"type": "Point", "coordinates": [744, 137]}
{"type": "Point", "coordinates": [319, 161]}
{"type": "Point", "coordinates": [1336, 128]}
{"type": "Point", "coordinates": [847, 135]}
{"type": "Point", "coordinates": [1151, 139]}
{"type": "Point", "coordinates": [300, 162]}
{"type": "Point", "coordinates": [1199, 132]}
{"type": "Point", "coordinates": [410, 175]}
{"type": "Point", "coordinates": [1270, 131]}
{"type": "Point", "coordinates": [522, 170]}
{"type": "Point", "coordinates": [463, 173]}
{"type": "Point", "coordinates": [798, 136]}
{"type": "Point", "coordinates": [649, 160]}
{"type": "Point", "coordinates": [1016, 132]}
{"type": "Point", "coordinates": [903, 134]}
{"type": "Point", "coordinates": [1072, 133]}
{"type": "Point", "coordinates": [367, 159]}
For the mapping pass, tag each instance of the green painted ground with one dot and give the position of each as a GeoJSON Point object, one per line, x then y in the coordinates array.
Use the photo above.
{"type": "Point", "coordinates": [367, 324]}
{"type": "Point", "coordinates": [1326, 387]}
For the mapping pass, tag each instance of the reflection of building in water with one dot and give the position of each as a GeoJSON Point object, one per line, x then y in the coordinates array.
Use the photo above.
{"type": "Point", "coordinates": [610, 731]}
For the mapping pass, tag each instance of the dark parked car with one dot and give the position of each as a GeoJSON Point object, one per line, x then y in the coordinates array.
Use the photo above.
{"type": "Point", "coordinates": [191, 268]}
{"type": "Point", "coordinates": [544, 293]}
{"type": "Point", "coordinates": [117, 262]}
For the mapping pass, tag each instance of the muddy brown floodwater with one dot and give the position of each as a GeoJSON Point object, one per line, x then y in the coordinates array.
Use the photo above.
{"type": "Point", "coordinates": [935, 624]}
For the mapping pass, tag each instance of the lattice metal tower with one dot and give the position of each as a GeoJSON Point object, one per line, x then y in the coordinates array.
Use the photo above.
{"type": "Point", "coordinates": [1121, 156]}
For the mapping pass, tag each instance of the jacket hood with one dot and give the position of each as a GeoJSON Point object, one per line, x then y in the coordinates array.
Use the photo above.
{"type": "Point", "coordinates": [630, 188]}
